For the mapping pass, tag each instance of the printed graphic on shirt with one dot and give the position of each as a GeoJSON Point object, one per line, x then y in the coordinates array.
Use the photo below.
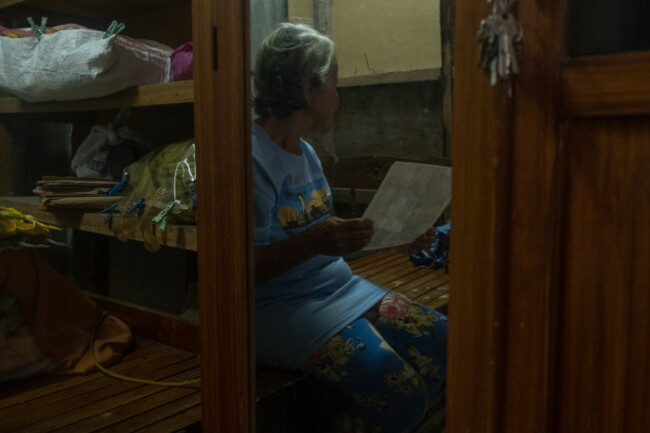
{"type": "Point", "coordinates": [300, 207]}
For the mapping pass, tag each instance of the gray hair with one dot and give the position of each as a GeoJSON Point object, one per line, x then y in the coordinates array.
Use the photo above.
{"type": "Point", "coordinates": [293, 60]}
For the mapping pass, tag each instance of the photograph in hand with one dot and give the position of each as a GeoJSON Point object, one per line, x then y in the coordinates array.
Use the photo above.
{"type": "Point", "coordinates": [409, 200]}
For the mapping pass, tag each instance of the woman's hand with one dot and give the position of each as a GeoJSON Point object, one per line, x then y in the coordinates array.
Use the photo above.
{"type": "Point", "coordinates": [422, 242]}
{"type": "Point", "coordinates": [337, 237]}
{"type": "Point", "coordinates": [334, 237]}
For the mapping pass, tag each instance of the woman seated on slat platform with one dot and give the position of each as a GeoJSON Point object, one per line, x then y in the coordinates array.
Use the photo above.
{"type": "Point", "coordinates": [385, 352]}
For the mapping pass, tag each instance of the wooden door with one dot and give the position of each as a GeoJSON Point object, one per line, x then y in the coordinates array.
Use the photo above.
{"type": "Point", "coordinates": [550, 249]}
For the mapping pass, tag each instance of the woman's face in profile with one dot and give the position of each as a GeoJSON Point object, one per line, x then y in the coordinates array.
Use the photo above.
{"type": "Point", "coordinates": [325, 103]}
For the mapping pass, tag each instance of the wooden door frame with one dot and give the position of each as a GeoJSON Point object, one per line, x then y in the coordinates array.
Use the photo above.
{"type": "Point", "coordinates": [505, 188]}
{"type": "Point", "coordinates": [500, 334]}
{"type": "Point", "coordinates": [507, 183]}
{"type": "Point", "coordinates": [224, 214]}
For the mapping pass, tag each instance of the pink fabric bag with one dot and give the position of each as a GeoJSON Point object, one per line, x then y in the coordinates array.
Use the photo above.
{"type": "Point", "coordinates": [182, 62]}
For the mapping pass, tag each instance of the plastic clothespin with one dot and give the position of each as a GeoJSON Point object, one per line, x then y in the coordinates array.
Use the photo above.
{"type": "Point", "coordinates": [109, 219]}
{"type": "Point", "coordinates": [109, 211]}
{"type": "Point", "coordinates": [138, 205]}
{"type": "Point", "coordinates": [117, 188]}
{"type": "Point", "coordinates": [113, 29]}
{"type": "Point", "coordinates": [38, 30]}
{"type": "Point", "coordinates": [161, 218]}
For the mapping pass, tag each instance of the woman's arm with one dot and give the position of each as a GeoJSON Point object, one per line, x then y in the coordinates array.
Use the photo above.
{"type": "Point", "coordinates": [334, 237]}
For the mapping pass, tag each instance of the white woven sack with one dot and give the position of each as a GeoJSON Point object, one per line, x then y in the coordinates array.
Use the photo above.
{"type": "Point", "coordinates": [78, 64]}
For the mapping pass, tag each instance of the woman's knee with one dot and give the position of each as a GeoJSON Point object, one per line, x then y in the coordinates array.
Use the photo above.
{"type": "Point", "coordinates": [396, 402]}
{"type": "Point", "coordinates": [398, 408]}
{"type": "Point", "coordinates": [406, 412]}
{"type": "Point", "coordinates": [388, 393]}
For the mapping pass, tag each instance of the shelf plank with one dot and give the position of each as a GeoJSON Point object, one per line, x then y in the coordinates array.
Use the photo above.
{"type": "Point", "coordinates": [177, 236]}
{"type": "Point", "coordinates": [178, 92]}
{"type": "Point", "coordinates": [430, 74]}
{"type": "Point", "coordinates": [156, 325]}
{"type": "Point", "coordinates": [7, 3]}
{"type": "Point", "coordinates": [606, 85]}
{"type": "Point", "coordinates": [92, 8]}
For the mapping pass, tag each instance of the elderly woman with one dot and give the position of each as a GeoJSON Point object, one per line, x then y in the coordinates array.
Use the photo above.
{"type": "Point", "coordinates": [313, 315]}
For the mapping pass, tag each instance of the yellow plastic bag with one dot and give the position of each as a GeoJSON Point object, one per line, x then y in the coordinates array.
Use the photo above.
{"type": "Point", "coordinates": [15, 226]}
{"type": "Point", "coordinates": [161, 190]}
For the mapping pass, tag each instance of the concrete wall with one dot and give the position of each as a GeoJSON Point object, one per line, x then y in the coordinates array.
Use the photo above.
{"type": "Point", "coordinates": [401, 120]}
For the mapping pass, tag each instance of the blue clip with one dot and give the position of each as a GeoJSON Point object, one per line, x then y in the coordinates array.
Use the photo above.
{"type": "Point", "coordinates": [108, 209]}
{"type": "Point", "coordinates": [138, 205]}
{"type": "Point", "coordinates": [109, 219]}
{"type": "Point", "coordinates": [117, 188]}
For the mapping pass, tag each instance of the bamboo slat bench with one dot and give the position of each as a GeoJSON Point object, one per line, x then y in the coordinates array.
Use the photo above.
{"type": "Point", "coordinates": [395, 271]}
{"type": "Point", "coordinates": [96, 402]}
{"type": "Point", "coordinates": [99, 403]}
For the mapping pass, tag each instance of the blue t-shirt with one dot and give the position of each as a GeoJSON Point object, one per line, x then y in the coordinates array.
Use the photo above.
{"type": "Point", "coordinates": [299, 310]}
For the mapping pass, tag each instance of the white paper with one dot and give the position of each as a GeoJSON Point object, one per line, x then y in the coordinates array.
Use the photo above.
{"type": "Point", "coordinates": [410, 199]}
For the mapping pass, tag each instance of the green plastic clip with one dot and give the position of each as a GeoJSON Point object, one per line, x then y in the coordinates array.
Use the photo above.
{"type": "Point", "coordinates": [161, 218]}
{"type": "Point", "coordinates": [113, 29]}
{"type": "Point", "coordinates": [38, 30]}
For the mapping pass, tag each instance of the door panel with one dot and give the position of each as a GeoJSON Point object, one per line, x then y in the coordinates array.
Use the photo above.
{"type": "Point", "coordinates": [550, 247]}
{"type": "Point", "coordinates": [501, 314]}
{"type": "Point", "coordinates": [603, 353]}
{"type": "Point", "coordinates": [604, 26]}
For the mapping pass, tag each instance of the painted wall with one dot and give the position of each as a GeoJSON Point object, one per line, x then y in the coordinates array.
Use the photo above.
{"type": "Point", "coordinates": [401, 120]}
{"type": "Point", "coordinates": [378, 40]}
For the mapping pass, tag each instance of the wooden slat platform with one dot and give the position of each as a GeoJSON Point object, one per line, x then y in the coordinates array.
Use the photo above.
{"type": "Point", "coordinates": [395, 271]}
{"type": "Point", "coordinates": [99, 403]}
{"type": "Point", "coordinates": [96, 402]}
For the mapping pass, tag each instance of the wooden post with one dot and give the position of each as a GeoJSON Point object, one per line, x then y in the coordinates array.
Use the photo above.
{"type": "Point", "coordinates": [447, 8]}
{"type": "Point", "coordinates": [323, 16]}
{"type": "Point", "coordinates": [224, 215]}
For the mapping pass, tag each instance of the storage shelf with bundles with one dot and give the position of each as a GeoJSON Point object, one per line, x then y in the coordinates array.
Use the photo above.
{"type": "Point", "coordinates": [161, 186]}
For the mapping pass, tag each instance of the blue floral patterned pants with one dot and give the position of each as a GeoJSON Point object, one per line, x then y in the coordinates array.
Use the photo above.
{"type": "Point", "coordinates": [388, 362]}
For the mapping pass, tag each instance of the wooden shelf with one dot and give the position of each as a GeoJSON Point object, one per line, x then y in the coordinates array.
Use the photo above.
{"type": "Point", "coordinates": [6, 3]}
{"type": "Point", "coordinates": [431, 74]}
{"type": "Point", "coordinates": [92, 8]}
{"type": "Point", "coordinates": [178, 92]}
{"type": "Point", "coordinates": [177, 236]}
